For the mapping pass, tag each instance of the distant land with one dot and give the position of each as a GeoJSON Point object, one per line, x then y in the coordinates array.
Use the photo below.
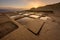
{"type": "Point", "coordinates": [55, 6]}
{"type": "Point", "coordinates": [10, 9]}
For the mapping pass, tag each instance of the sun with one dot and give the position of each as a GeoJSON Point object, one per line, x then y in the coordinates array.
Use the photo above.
{"type": "Point", "coordinates": [36, 6]}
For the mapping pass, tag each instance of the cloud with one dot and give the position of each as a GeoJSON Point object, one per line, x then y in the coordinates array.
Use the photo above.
{"type": "Point", "coordinates": [34, 3]}
{"type": "Point", "coordinates": [37, 3]}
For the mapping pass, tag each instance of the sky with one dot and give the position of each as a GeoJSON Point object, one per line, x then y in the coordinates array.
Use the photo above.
{"type": "Point", "coordinates": [26, 3]}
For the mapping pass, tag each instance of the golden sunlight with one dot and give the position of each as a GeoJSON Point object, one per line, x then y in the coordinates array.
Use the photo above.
{"type": "Point", "coordinates": [36, 6]}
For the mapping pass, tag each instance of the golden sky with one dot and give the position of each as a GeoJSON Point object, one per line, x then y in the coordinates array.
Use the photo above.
{"type": "Point", "coordinates": [26, 3]}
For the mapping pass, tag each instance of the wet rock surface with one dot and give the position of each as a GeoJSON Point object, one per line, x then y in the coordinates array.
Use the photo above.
{"type": "Point", "coordinates": [6, 28]}
{"type": "Point", "coordinates": [48, 29]}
